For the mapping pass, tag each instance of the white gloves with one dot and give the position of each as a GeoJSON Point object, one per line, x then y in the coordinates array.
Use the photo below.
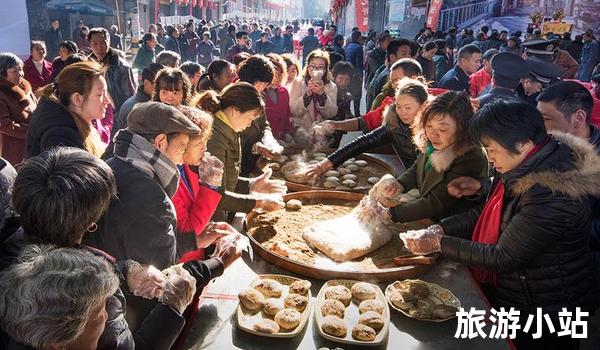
{"type": "Point", "coordinates": [387, 191]}
{"type": "Point", "coordinates": [210, 170]}
{"type": "Point", "coordinates": [424, 241]}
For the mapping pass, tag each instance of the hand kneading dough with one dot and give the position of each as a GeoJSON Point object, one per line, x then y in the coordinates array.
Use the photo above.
{"type": "Point", "coordinates": [363, 291]}
{"type": "Point", "coordinates": [251, 299]}
{"type": "Point", "coordinates": [296, 301]}
{"type": "Point", "coordinates": [266, 326]}
{"type": "Point", "coordinates": [340, 293]}
{"type": "Point", "coordinates": [293, 204]}
{"type": "Point", "coordinates": [300, 287]}
{"type": "Point", "coordinates": [288, 318]}
{"type": "Point", "coordinates": [270, 288]}
{"type": "Point", "coordinates": [272, 306]}
{"type": "Point", "coordinates": [364, 333]}
{"type": "Point", "coordinates": [333, 307]}
{"type": "Point", "coordinates": [371, 305]}
{"type": "Point", "coordinates": [372, 319]}
{"type": "Point", "coordinates": [335, 326]}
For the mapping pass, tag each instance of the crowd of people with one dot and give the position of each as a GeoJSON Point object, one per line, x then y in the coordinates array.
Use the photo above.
{"type": "Point", "coordinates": [120, 178]}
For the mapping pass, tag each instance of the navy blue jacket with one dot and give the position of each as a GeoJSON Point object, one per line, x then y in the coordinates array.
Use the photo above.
{"type": "Point", "coordinates": [456, 80]}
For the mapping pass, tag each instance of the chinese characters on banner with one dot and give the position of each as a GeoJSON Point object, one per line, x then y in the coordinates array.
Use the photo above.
{"type": "Point", "coordinates": [362, 15]}
{"type": "Point", "coordinates": [434, 14]}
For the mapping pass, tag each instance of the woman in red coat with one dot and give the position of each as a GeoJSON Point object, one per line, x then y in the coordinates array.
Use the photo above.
{"type": "Point", "coordinates": [277, 99]}
{"type": "Point", "coordinates": [17, 102]}
{"type": "Point", "coordinates": [38, 71]}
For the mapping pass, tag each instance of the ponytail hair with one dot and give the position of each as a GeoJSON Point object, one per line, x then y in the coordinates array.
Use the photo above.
{"type": "Point", "coordinates": [77, 78]}
{"type": "Point", "coordinates": [240, 95]}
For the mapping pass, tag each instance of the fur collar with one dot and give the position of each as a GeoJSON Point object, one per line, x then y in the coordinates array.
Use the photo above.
{"type": "Point", "coordinates": [443, 159]}
{"type": "Point", "coordinates": [19, 92]}
{"type": "Point", "coordinates": [579, 182]}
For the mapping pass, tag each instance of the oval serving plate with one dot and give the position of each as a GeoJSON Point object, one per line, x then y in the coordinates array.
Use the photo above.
{"type": "Point", "coordinates": [438, 295]}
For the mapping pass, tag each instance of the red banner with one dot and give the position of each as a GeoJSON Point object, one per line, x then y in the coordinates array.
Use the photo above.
{"type": "Point", "coordinates": [362, 15]}
{"type": "Point", "coordinates": [434, 14]}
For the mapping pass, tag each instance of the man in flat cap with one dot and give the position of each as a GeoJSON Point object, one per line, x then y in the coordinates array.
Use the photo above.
{"type": "Point", "coordinates": [507, 71]}
{"type": "Point", "coordinates": [541, 74]}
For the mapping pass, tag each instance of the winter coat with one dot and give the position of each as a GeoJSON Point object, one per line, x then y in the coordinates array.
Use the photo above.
{"type": "Point", "coordinates": [393, 132]}
{"type": "Point", "coordinates": [354, 55]}
{"type": "Point", "coordinates": [542, 258]}
{"type": "Point", "coordinates": [595, 201]}
{"type": "Point", "coordinates": [589, 57]}
{"type": "Point", "coordinates": [119, 77]}
{"type": "Point", "coordinates": [57, 65]}
{"type": "Point", "coordinates": [34, 77]}
{"type": "Point", "coordinates": [386, 91]}
{"type": "Point", "coordinates": [116, 41]}
{"type": "Point", "coordinates": [478, 81]}
{"type": "Point", "coordinates": [428, 67]}
{"type": "Point", "coordinates": [52, 40]}
{"type": "Point", "coordinates": [456, 80]}
{"type": "Point", "coordinates": [263, 48]}
{"type": "Point", "coordinates": [205, 53]}
{"type": "Point", "coordinates": [235, 49]}
{"type": "Point", "coordinates": [374, 118]}
{"type": "Point", "coordinates": [442, 66]}
{"type": "Point", "coordinates": [375, 59]}
{"type": "Point", "coordinates": [309, 44]}
{"type": "Point", "coordinates": [434, 200]}
{"type": "Point", "coordinates": [278, 111]}
{"type": "Point", "coordinates": [278, 44]}
{"type": "Point", "coordinates": [226, 43]}
{"type": "Point", "coordinates": [51, 125]}
{"type": "Point", "coordinates": [259, 129]}
{"type": "Point", "coordinates": [195, 204]}
{"type": "Point", "coordinates": [225, 145]}
{"type": "Point", "coordinates": [382, 76]}
{"type": "Point", "coordinates": [340, 50]}
{"type": "Point", "coordinates": [305, 115]}
{"type": "Point", "coordinates": [144, 57]}
{"type": "Point", "coordinates": [17, 103]}
{"type": "Point", "coordinates": [567, 64]}
{"type": "Point", "coordinates": [172, 44]}
{"type": "Point", "coordinates": [288, 43]}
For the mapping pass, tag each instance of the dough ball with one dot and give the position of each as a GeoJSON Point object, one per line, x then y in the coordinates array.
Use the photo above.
{"type": "Point", "coordinates": [348, 162]}
{"type": "Point", "coordinates": [288, 318]}
{"type": "Point", "coordinates": [340, 293]}
{"type": "Point", "coordinates": [331, 184]}
{"type": "Point", "coordinates": [272, 306]}
{"type": "Point", "coordinates": [333, 307]}
{"type": "Point", "coordinates": [293, 204]}
{"type": "Point", "coordinates": [332, 173]}
{"type": "Point", "coordinates": [350, 177]}
{"type": "Point", "coordinates": [270, 288]}
{"type": "Point", "coordinates": [372, 319]}
{"type": "Point", "coordinates": [343, 171]}
{"type": "Point", "coordinates": [296, 301]}
{"type": "Point", "coordinates": [371, 305]}
{"type": "Point", "coordinates": [275, 166]}
{"type": "Point", "coordinates": [373, 180]}
{"type": "Point", "coordinates": [266, 326]}
{"type": "Point", "coordinates": [353, 167]}
{"type": "Point", "coordinates": [343, 188]}
{"type": "Point", "coordinates": [443, 311]}
{"type": "Point", "coordinates": [361, 163]}
{"type": "Point", "coordinates": [363, 291]}
{"type": "Point", "coordinates": [251, 299]}
{"type": "Point", "coordinates": [333, 179]}
{"type": "Point", "coordinates": [349, 183]}
{"type": "Point", "coordinates": [281, 248]}
{"type": "Point", "coordinates": [300, 287]}
{"type": "Point", "coordinates": [363, 332]}
{"type": "Point", "coordinates": [352, 159]}
{"type": "Point", "coordinates": [335, 326]}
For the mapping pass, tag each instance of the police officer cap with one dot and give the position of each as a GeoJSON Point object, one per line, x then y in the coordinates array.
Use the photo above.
{"type": "Point", "coordinates": [508, 69]}
{"type": "Point", "coordinates": [543, 71]}
{"type": "Point", "coordinates": [539, 47]}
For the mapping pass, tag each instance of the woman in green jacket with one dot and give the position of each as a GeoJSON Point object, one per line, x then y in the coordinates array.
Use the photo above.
{"type": "Point", "coordinates": [233, 110]}
{"type": "Point", "coordinates": [146, 54]}
{"type": "Point", "coordinates": [447, 153]}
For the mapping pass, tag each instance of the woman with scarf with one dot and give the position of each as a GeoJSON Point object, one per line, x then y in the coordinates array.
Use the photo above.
{"type": "Point", "coordinates": [447, 152]}
{"type": "Point", "coordinates": [527, 247]}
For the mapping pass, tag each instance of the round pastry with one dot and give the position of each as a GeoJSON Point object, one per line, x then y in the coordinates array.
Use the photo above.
{"type": "Point", "coordinates": [352, 159]}
{"type": "Point", "coordinates": [251, 299]}
{"type": "Point", "coordinates": [348, 162]}
{"type": "Point", "coordinates": [340, 293]}
{"type": "Point", "coordinates": [349, 183]}
{"type": "Point", "coordinates": [343, 171]}
{"type": "Point", "coordinates": [371, 305]}
{"type": "Point", "coordinates": [335, 326]}
{"type": "Point", "coordinates": [272, 306]}
{"type": "Point", "coordinates": [332, 173]}
{"type": "Point", "coordinates": [363, 291]}
{"type": "Point", "coordinates": [288, 318]}
{"type": "Point", "coordinates": [353, 167]}
{"type": "Point", "coordinates": [443, 311]}
{"type": "Point", "coordinates": [266, 326]}
{"type": "Point", "coordinates": [270, 288]}
{"type": "Point", "coordinates": [361, 163]}
{"type": "Point", "coordinates": [332, 178]}
{"type": "Point", "coordinates": [295, 301]}
{"type": "Point", "coordinates": [293, 204]}
{"type": "Point", "coordinates": [372, 319]}
{"type": "Point", "coordinates": [331, 184]}
{"type": "Point", "coordinates": [300, 287]}
{"type": "Point", "coordinates": [281, 248]}
{"type": "Point", "coordinates": [342, 188]}
{"type": "Point", "coordinates": [350, 177]}
{"type": "Point", "coordinates": [363, 332]}
{"type": "Point", "coordinates": [333, 307]}
{"type": "Point", "coordinates": [373, 180]}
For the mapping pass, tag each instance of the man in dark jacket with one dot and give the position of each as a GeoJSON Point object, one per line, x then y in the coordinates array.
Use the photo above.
{"type": "Point", "coordinates": [376, 58]}
{"type": "Point", "coordinates": [264, 45]}
{"type": "Point", "coordinates": [457, 78]}
{"type": "Point", "coordinates": [309, 44]}
{"type": "Point", "coordinates": [241, 45]}
{"type": "Point", "coordinates": [53, 39]}
{"type": "Point", "coordinates": [288, 40]}
{"type": "Point", "coordinates": [396, 50]}
{"type": "Point", "coordinates": [278, 41]}
{"type": "Point", "coordinates": [227, 41]}
{"type": "Point", "coordinates": [119, 76]}
{"type": "Point", "coordinates": [354, 55]}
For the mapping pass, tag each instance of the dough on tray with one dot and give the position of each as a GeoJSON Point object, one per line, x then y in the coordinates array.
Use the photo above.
{"type": "Point", "coordinates": [300, 287]}
{"type": "Point", "coordinates": [266, 326]}
{"type": "Point", "coordinates": [335, 326]}
{"type": "Point", "coordinates": [251, 299]}
{"type": "Point", "coordinates": [363, 291]}
{"type": "Point", "coordinates": [372, 319]}
{"type": "Point", "coordinates": [371, 305]}
{"type": "Point", "coordinates": [288, 318]}
{"type": "Point", "coordinates": [270, 288]}
{"type": "Point", "coordinates": [333, 307]}
{"type": "Point", "coordinates": [296, 301]}
{"type": "Point", "coordinates": [363, 332]}
{"type": "Point", "coordinates": [272, 306]}
{"type": "Point", "coordinates": [293, 204]}
{"type": "Point", "coordinates": [340, 293]}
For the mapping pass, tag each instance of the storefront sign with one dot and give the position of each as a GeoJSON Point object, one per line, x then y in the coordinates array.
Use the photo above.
{"type": "Point", "coordinates": [362, 15]}
{"type": "Point", "coordinates": [434, 14]}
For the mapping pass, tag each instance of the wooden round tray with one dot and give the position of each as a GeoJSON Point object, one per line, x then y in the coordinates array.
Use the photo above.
{"type": "Point", "coordinates": [378, 275]}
